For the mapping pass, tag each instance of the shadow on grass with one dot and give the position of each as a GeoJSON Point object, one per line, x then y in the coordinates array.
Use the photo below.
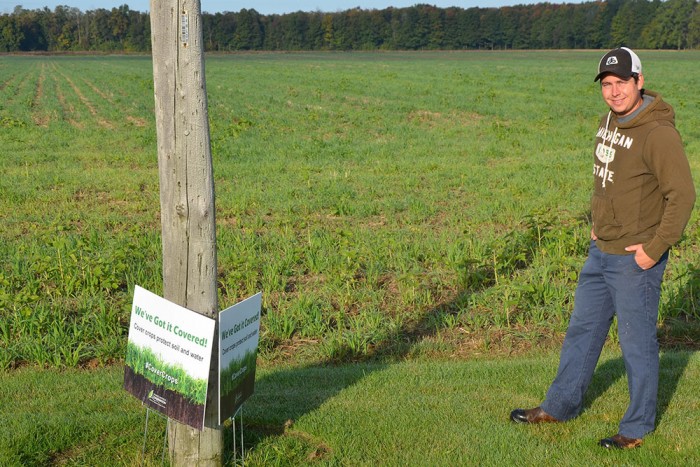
{"type": "Point", "coordinates": [671, 369]}
{"type": "Point", "coordinates": [285, 395]}
{"type": "Point", "coordinates": [605, 376]}
{"type": "Point", "coordinates": [672, 365]}
{"type": "Point", "coordinates": [678, 339]}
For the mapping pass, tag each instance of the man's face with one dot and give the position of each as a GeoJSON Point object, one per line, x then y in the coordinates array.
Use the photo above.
{"type": "Point", "coordinates": [623, 96]}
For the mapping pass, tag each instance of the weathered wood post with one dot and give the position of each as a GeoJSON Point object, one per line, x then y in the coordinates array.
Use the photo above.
{"type": "Point", "coordinates": [187, 196]}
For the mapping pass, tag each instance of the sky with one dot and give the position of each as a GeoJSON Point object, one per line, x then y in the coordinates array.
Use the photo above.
{"type": "Point", "coordinates": [268, 7]}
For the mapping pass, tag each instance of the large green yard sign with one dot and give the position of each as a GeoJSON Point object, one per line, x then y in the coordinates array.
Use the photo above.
{"type": "Point", "coordinates": [168, 357]}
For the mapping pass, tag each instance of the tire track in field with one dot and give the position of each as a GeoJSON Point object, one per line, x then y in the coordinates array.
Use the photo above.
{"type": "Point", "coordinates": [41, 119]}
{"type": "Point", "coordinates": [67, 108]}
{"type": "Point", "coordinates": [98, 91]}
{"type": "Point", "coordinates": [136, 121]}
{"type": "Point", "coordinates": [13, 85]}
{"type": "Point", "coordinates": [88, 103]}
{"type": "Point", "coordinates": [7, 82]}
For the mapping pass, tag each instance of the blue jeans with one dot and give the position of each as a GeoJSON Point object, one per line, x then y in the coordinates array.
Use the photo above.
{"type": "Point", "coordinates": [609, 285]}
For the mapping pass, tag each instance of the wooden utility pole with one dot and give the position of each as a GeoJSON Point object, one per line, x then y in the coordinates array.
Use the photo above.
{"type": "Point", "coordinates": [187, 197]}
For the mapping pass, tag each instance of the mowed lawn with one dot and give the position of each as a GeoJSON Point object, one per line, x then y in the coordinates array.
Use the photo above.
{"type": "Point", "coordinates": [409, 413]}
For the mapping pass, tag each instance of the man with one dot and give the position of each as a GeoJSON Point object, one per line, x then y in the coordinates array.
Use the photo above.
{"type": "Point", "coordinates": [642, 199]}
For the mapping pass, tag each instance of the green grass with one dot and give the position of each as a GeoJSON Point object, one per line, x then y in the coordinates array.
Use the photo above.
{"type": "Point", "coordinates": [374, 198]}
{"type": "Point", "coordinates": [391, 207]}
{"type": "Point", "coordinates": [410, 413]}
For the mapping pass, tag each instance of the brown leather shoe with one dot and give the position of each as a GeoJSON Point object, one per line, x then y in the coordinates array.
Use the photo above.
{"type": "Point", "coordinates": [620, 442]}
{"type": "Point", "coordinates": [536, 415]}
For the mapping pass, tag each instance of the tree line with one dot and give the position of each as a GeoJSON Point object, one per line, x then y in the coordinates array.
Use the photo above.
{"type": "Point", "coordinates": [650, 24]}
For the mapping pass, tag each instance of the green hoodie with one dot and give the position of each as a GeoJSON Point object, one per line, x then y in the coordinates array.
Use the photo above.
{"type": "Point", "coordinates": [643, 191]}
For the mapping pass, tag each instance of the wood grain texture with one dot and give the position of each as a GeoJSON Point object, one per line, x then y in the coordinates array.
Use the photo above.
{"type": "Point", "coordinates": [187, 196]}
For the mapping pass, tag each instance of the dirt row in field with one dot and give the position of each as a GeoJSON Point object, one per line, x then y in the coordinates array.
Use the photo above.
{"type": "Point", "coordinates": [43, 118]}
{"type": "Point", "coordinates": [88, 104]}
{"type": "Point", "coordinates": [40, 118]}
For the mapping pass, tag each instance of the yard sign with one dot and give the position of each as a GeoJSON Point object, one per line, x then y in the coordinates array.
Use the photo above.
{"type": "Point", "coordinates": [239, 333]}
{"type": "Point", "coordinates": [168, 357]}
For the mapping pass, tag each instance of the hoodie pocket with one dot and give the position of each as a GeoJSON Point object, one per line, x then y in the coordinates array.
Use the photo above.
{"type": "Point", "coordinates": [605, 224]}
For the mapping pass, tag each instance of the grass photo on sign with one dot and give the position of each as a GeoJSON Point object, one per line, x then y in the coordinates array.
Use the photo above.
{"type": "Point", "coordinates": [237, 382]}
{"type": "Point", "coordinates": [163, 387]}
{"type": "Point", "coordinates": [144, 362]}
{"type": "Point", "coordinates": [237, 370]}
{"type": "Point", "coordinates": [239, 335]}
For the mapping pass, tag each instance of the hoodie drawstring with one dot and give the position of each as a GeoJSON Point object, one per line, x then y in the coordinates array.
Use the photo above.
{"type": "Point", "coordinates": [607, 154]}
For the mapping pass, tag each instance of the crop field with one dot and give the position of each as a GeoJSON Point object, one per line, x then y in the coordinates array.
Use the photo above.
{"type": "Point", "coordinates": [387, 205]}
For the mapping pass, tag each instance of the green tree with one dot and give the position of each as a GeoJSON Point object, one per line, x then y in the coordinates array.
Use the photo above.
{"type": "Point", "coordinates": [469, 20]}
{"type": "Point", "coordinates": [670, 27]}
{"type": "Point", "coordinates": [99, 33]}
{"type": "Point", "coordinates": [542, 27]}
{"type": "Point", "coordinates": [564, 32]}
{"type": "Point", "coordinates": [412, 28]}
{"type": "Point", "coordinates": [631, 19]}
{"type": "Point", "coordinates": [694, 28]}
{"type": "Point", "coordinates": [32, 30]}
{"type": "Point", "coordinates": [453, 33]}
{"type": "Point", "coordinates": [138, 35]}
{"type": "Point", "coordinates": [287, 32]}
{"type": "Point", "coordinates": [601, 16]}
{"type": "Point", "coordinates": [218, 30]}
{"type": "Point", "coordinates": [435, 18]}
{"type": "Point", "coordinates": [490, 29]}
{"type": "Point", "coordinates": [118, 23]}
{"type": "Point", "coordinates": [248, 34]}
{"type": "Point", "coordinates": [592, 24]}
{"type": "Point", "coordinates": [328, 32]}
{"type": "Point", "coordinates": [510, 25]}
{"type": "Point", "coordinates": [11, 36]}
{"type": "Point", "coordinates": [64, 29]}
{"type": "Point", "coordinates": [315, 33]}
{"type": "Point", "coordinates": [380, 24]}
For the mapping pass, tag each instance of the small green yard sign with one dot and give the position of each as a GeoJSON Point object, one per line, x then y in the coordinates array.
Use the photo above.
{"type": "Point", "coordinates": [239, 333]}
